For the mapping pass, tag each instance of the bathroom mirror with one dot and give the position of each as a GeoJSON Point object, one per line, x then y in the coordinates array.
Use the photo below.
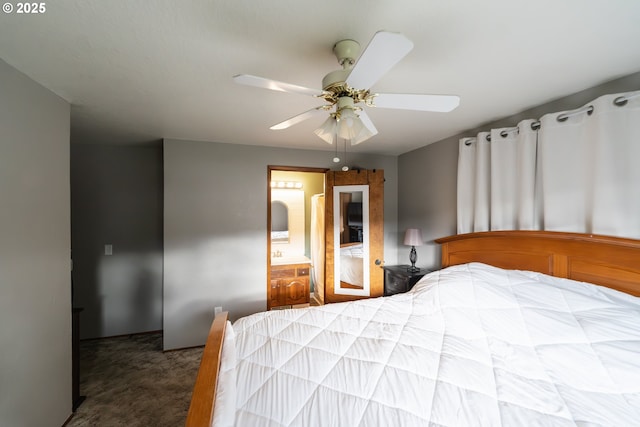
{"type": "Point", "coordinates": [279, 222]}
{"type": "Point", "coordinates": [351, 237]}
{"type": "Point", "coordinates": [287, 223]}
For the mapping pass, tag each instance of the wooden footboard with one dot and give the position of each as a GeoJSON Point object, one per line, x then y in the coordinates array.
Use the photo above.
{"type": "Point", "coordinates": [204, 392]}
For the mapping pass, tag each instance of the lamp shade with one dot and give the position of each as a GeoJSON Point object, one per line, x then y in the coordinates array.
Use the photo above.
{"type": "Point", "coordinates": [367, 129]}
{"type": "Point", "coordinates": [327, 131]}
{"type": "Point", "coordinates": [413, 237]}
{"type": "Point", "coordinates": [349, 124]}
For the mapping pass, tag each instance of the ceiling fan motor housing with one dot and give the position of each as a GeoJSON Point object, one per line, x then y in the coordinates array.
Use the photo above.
{"type": "Point", "coordinates": [334, 80]}
{"type": "Point", "coordinates": [334, 84]}
{"type": "Point", "coordinates": [346, 51]}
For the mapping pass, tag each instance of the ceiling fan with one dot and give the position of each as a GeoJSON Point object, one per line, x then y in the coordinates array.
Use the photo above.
{"type": "Point", "coordinates": [347, 89]}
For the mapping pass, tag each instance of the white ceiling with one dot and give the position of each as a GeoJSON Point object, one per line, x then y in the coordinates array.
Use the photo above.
{"type": "Point", "coordinates": [136, 71]}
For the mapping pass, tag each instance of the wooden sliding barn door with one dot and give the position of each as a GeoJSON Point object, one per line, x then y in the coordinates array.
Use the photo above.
{"type": "Point", "coordinates": [374, 180]}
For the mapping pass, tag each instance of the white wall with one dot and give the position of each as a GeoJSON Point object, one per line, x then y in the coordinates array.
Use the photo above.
{"type": "Point", "coordinates": [35, 288]}
{"type": "Point", "coordinates": [215, 229]}
{"type": "Point", "coordinates": [427, 177]}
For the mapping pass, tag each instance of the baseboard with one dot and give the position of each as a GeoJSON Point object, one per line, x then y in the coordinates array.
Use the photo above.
{"type": "Point", "coordinates": [183, 348]}
{"type": "Point", "coordinates": [68, 419]}
{"type": "Point", "coordinates": [159, 331]}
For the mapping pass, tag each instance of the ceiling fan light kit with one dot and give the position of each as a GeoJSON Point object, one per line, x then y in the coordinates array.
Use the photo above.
{"type": "Point", "coordinates": [346, 123]}
{"type": "Point", "coordinates": [348, 120]}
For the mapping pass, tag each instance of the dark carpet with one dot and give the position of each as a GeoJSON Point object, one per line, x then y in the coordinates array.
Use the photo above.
{"type": "Point", "coordinates": [130, 381]}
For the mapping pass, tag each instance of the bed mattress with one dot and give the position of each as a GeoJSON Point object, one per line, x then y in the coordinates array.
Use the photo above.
{"type": "Point", "coordinates": [468, 345]}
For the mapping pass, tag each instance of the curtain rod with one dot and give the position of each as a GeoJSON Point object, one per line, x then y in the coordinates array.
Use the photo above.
{"type": "Point", "coordinates": [622, 100]}
{"type": "Point", "coordinates": [564, 116]}
{"type": "Point", "coordinates": [561, 118]}
{"type": "Point", "coordinates": [505, 132]}
{"type": "Point", "coordinates": [618, 102]}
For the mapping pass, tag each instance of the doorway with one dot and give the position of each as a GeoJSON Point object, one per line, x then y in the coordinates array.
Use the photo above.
{"type": "Point", "coordinates": [292, 275]}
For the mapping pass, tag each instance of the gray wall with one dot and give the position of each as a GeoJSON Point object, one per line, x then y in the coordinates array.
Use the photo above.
{"type": "Point", "coordinates": [215, 229]}
{"type": "Point", "coordinates": [116, 198]}
{"type": "Point", "coordinates": [427, 177]}
{"type": "Point", "coordinates": [35, 288]}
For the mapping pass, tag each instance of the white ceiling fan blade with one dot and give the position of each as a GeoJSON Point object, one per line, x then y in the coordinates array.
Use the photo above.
{"type": "Point", "coordinates": [299, 118]}
{"type": "Point", "coordinates": [383, 52]}
{"type": "Point", "coordinates": [261, 82]}
{"type": "Point", "coordinates": [406, 101]}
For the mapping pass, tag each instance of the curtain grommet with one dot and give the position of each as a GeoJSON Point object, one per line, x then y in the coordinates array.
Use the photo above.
{"type": "Point", "coordinates": [620, 101]}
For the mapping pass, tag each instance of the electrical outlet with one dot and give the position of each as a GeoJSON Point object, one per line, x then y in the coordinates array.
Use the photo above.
{"type": "Point", "coordinates": [217, 310]}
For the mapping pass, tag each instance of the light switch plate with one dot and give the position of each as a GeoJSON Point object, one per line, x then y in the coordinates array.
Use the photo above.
{"type": "Point", "coordinates": [108, 249]}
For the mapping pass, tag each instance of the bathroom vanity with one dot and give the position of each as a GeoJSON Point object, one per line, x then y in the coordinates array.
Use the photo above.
{"type": "Point", "coordinates": [289, 283]}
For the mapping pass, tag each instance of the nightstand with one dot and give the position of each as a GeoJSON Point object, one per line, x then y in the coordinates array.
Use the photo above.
{"type": "Point", "coordinates": [398, 278]}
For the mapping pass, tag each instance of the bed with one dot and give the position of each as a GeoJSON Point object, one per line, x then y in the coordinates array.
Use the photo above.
{"type": "Point", "coordinates": [507, 333]}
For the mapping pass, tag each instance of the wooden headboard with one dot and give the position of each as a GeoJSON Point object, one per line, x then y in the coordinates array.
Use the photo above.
{"type": "Point", "coordinates": [613, 262]}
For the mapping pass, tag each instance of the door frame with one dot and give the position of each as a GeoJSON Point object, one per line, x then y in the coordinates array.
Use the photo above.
{"type": "Point", "coordinates": [283, 169]}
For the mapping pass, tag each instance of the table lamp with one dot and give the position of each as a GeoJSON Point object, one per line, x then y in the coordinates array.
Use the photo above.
{"type": "Point", "coordinates": [413, 238]}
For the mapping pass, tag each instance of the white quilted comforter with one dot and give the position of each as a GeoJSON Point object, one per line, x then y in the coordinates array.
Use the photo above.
{"type": "Point", "coordinates": [468, 345]}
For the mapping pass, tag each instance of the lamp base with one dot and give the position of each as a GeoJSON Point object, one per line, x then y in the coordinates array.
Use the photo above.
{"type": "Point", "coordinates": [413, 257]}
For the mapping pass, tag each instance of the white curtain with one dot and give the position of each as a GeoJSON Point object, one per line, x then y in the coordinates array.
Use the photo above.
{"type": "Point", "coordinates": [473, 183]}
{"type": "Point", "coordinates": [580, 174]}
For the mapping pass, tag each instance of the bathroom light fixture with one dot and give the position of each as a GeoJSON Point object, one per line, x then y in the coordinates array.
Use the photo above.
{"type": "Point", "coordinates": [413, 238]}
{"type": "Point", "coordinates": [293, 185]}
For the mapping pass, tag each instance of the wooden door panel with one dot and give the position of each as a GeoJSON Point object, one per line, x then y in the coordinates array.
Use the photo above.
{"type": "Point", "coordinates": [296, 291]}
{"type": "Point", "coordinates": [375, 180]}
